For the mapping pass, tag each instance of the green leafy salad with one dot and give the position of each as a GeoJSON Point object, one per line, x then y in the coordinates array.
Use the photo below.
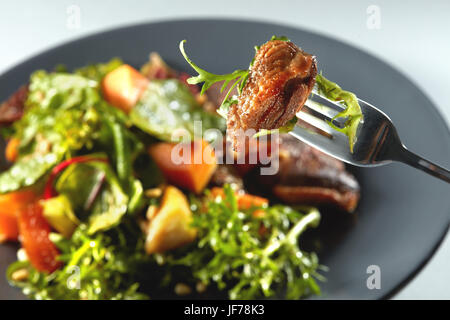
{"type": "Point", "coordinates": [101, 211]}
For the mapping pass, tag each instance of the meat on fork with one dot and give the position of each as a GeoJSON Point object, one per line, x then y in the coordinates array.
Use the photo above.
{"type": "Point", "coordinates": [280, 80]}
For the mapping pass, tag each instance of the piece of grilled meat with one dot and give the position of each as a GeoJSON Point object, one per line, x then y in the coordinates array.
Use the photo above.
{"type": "Point", "coordinates": [226, 174]}
{"type": "Point", "coordinates": [12, 109]}
{"type": "Point", "coordinates": [280, 80]}
{"type": "Point", "coordinates": [308, 176]}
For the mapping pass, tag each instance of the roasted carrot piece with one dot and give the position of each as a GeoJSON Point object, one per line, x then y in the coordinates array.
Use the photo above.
{"type": "Point", "coordinates": [34, 232]}
{"type": "Point", "coordinates": [245, 201]}
{"type": "Point", "coordinates": [9, 231]}
{"type": "Point", "coordinates": [193, 174]}
{"type": "Point", "coordinates": [123, 87]}
{"type": "Point", "coordinates": [10, 205]}
{"type": "Point", "coordinates": [12, 149]}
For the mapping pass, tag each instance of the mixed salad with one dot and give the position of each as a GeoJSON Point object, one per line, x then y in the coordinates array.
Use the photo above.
{"type": "Point", "coordinates": [102, 211]}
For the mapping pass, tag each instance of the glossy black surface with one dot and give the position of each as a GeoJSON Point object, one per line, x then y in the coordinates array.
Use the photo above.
{"type": "Point", "coordinates": [403, 214]}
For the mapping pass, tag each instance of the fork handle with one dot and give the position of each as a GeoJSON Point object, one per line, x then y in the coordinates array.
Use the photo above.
{"type": "Point", "coordinates": [418, 162]}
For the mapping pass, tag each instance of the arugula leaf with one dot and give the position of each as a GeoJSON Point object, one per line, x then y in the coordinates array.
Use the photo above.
{"type": "Point", "coordinates": [210, 78]}
{"type": "Point", "coordinates": [167, 106]}
{"type": "Point", "coordinates": [236, 255]}
{"type": "Point", "coordinates": [353, 111]}
{"type": "Point", "coordinates": [282, 38]}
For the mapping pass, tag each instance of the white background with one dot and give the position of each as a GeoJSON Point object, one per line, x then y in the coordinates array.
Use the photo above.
{"type": "Point", "coordinates": [413, 37]}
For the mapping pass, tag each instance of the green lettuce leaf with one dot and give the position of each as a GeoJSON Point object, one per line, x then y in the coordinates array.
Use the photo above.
{"type": "Point", "coordinates": [352, 112]}
{"type": "Point", "coordinates": [81, 181]}
{"type": "Point", "coordinates": [27, 171]}
{"type": "Point", "coordinates": [168, 106]}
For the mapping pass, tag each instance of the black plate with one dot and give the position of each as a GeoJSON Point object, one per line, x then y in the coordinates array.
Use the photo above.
{"type": "Point", "coordinates": [403, 214]}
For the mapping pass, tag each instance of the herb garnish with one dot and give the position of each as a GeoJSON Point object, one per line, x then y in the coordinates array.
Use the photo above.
{"type": "Point", "coordinates": [251, 256]}
{"type": "Point", "coordinates": [238, 76]}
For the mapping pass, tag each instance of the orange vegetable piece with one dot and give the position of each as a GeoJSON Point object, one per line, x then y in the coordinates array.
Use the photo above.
{"type": "Point", "coordinates": [196, 168]}
{"type": "Point", "coordinates": [8, 228]}
{"type": "Point", "coordinates": [12, 149]}
{"type": "Point", "coordinates": [10, 205]}
{"type": "Point", "coordinates": [123, 87]}
{"type": "Point", "coordinates": [34, 232]}
{"type": "Point", "coordinates": [245, 201]}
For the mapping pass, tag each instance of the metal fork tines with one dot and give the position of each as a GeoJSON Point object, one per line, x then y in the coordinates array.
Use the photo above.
{"type": "Point", "coordinates": [377, 141]}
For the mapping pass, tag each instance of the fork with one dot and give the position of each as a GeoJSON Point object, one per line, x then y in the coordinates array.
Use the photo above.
{"type": "Point", "coordinates": [377, 142]}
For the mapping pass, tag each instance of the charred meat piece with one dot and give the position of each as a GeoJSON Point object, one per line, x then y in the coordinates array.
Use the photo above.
{"type": "Point", "coordinates": [12, 109]}
{"type": "Point", "coordinates": [307, 175]}
{"type": "Point", "coordinates": [280, 80]}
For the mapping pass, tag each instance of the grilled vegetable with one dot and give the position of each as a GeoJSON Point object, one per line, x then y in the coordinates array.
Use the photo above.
{"type": "Point", "coordinates": [170, 227]}
{"type": "Point", "coordinates": [10, 206]}
{"type": "Point", "coordinates": [34, 233]}
{"type": "Point", "coordinates": [123, 87]}
{"type": "Point", "coordinates": [187, 165]}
